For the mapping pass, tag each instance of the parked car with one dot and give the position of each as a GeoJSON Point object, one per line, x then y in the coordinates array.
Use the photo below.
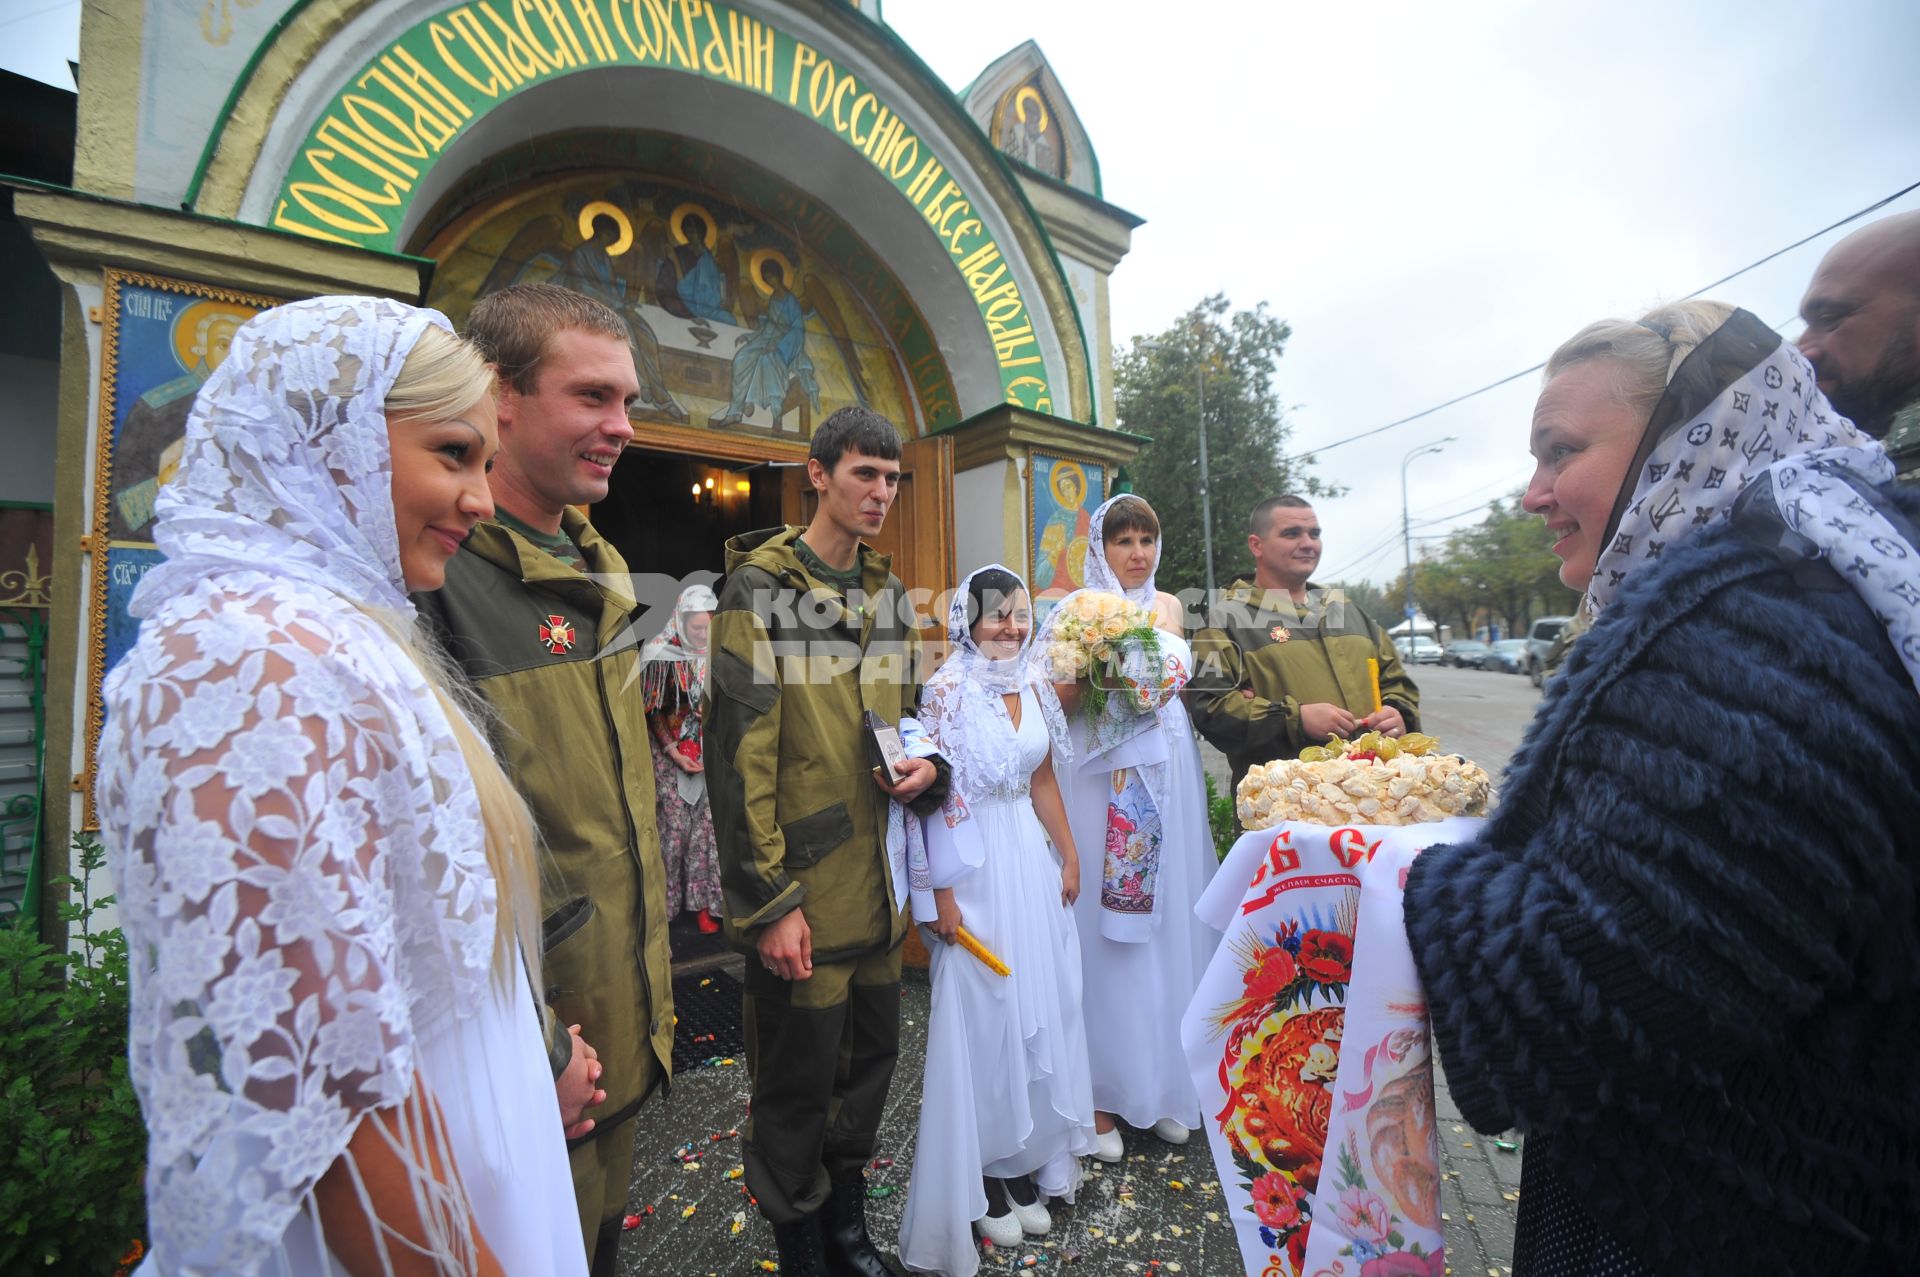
{"type": "Point", "coordinates": [1539, 642]}
{"type": "Point", "coordinates": [1509, 656]}
{"type": "Point", "coordinates": [1464, 652]}
{"type": "Point", "coordinates": [1418, 650]}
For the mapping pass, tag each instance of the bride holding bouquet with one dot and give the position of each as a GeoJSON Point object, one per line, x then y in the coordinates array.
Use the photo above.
{"type": "Point", "coordinates": [1113, 657]}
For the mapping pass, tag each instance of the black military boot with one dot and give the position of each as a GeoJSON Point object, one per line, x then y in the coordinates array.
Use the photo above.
{"type": "Point", "coordinates": [799, 1244]}
{"type": "Point", "coordinates": [850, 1252]}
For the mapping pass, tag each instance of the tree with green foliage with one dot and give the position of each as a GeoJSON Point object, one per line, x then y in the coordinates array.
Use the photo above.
{"type": "Point", "coordinates": [1372, 600]}
{"type": "Point", "coordinates": [1517, 566]}
{"type": "Point", "coordinates": [1157, 384]}
{"type": "Point", "coordinates": [1501, 571]}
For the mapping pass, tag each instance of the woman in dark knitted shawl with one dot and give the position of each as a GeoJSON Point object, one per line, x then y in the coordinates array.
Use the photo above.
{"type": "Point", "coordinates": [1684, 957]}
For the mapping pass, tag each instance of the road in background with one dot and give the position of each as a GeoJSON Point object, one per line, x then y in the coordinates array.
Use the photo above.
{"type": "Point", "coordinates": [1474, 712]}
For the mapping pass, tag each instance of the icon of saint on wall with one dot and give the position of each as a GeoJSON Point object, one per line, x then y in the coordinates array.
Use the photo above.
{"type": "Point", "coordinates": [1060, 563]}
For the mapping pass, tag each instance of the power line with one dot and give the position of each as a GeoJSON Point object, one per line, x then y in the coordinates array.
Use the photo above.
{"type": "Point", "coordinates": [1503, 479]}
{"type": "Point", "coordinates": [1442, 518]}
{"type": "Point", "coordinates": [1495, 385]}
{"type": "Point", "coordinates": [1394, 539]}
{"type": "Point", "coordinates": [35, 13]}
{"type": "Point", "coordinates": [1370, 555]}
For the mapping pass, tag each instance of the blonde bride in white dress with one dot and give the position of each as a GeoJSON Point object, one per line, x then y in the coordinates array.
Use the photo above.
{"type": "Point", "coordinates": [326, 883]}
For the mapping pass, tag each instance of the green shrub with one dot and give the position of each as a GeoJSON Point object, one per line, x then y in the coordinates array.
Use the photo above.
{"type": "Point", "coordinates": [71, 1199]}
{"type": "Point", "coordinates": [1220, 818]}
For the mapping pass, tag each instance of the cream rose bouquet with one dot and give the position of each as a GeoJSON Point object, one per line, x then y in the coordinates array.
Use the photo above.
{"type": "Point", "coordinates": [1107, 644]}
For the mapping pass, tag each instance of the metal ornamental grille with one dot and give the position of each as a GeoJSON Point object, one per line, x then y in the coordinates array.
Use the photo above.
{"type": "Point", "coordinates": [26, 532]}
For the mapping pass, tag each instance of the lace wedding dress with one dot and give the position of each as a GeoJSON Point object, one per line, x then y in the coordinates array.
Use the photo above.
{"type": "Point", "coordinates": [1006, 1091]}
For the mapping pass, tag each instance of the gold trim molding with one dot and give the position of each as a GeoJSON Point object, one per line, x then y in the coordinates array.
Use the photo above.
{"type": "Point", "coordinates": [1009, 432]}
{"type": "Point", "coordinates": [74, 229]}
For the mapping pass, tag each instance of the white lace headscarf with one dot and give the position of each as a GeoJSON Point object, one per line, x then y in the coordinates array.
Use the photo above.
{"type": "Point", "coordinates": [964, 709]}
{"type": "Point", "coordinates": [1100, 574]}
{"type": "Point", "coordinates": [297, 846]}
{"type": "Point", "coordinates": [1743, 412]}
{"type": "Point", "coordinates": [1100, 579]}
{"type": "Point", "coordinates": [286, 460]}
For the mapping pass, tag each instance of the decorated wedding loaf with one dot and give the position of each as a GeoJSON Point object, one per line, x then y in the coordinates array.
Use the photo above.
{"type": "Point", "coordinates": [1371, 780]}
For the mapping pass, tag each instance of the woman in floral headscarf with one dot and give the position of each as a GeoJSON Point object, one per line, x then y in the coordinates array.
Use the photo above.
{"type": "Point", "coordinates": [1684, 956]}
{"type": "Point", "coordinates": [326, 882]}
{"type": "Point", "coordinates": [1006, 1107]}
{"type": "Point", "coordinates": [674, 678]}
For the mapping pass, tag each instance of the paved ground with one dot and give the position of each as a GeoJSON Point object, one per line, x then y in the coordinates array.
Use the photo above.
{"type": "Point", "coordinates": [1130, 1220]}
{"type": "Point", "coordinates": [1126, 1216]}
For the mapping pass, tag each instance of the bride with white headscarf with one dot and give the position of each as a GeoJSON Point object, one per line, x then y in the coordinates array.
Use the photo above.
{"type": "Point", "coordinates": [326, 883]}
{"type": "Point", "coordinates": [1006, 1106]}
{"type": "Point", "coordinates": [1142, 949]}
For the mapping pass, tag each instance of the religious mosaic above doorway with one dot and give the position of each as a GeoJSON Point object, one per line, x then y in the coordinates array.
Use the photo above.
{"type": "Point", "coordinates": [368, 154]}
{"type": "Point", "coordinates": [737, 326]}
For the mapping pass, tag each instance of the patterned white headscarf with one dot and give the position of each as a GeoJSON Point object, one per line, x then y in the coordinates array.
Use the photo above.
{"type": "Point", "coordinates": [1100, 574]}
{"type": "Point", "coordinates": [681, 664]}
{"type": "Point", "coordinates": [297, 847]}
{"type": "Point", "coordinates": [963, 708]}
{"type": "Point", "coordinates": [1743, 412]}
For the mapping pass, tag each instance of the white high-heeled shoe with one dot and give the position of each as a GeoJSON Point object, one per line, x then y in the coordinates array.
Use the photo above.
{"type": "Point", "coordinates": [1108, 1146]}
{"type": "Point", "coordinates": [1171, 1131]}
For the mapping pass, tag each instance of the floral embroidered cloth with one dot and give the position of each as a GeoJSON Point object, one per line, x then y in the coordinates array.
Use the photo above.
{"type": "Point", "coordinates": [1309, 1047]}
{"type": "Point", "coordinates": [1379, 1192]}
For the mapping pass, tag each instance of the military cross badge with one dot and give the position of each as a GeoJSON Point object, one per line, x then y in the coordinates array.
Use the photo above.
{"type": "Point", "coordinates": [557, 633]}
{"type": "Point", "coordinates": [1279, 634]}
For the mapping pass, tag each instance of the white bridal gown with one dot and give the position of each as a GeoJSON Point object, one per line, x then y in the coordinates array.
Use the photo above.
{"type": "Point", "coordinates": [1007, 1090]}
{"type": "Point", "coordinates": [1135, 993]}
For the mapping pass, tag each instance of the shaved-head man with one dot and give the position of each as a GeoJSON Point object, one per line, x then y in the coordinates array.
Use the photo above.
{"type": "Point", "coordinates": [1282, 663]}
{"type": "Point", "coordinates": [1862, 312]}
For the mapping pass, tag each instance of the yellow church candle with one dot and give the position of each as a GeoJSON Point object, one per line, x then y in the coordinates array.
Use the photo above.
{"type": "Point", "coordinates": [1373, 677]}
{"type": "Point", "coordinates": [971, 944]}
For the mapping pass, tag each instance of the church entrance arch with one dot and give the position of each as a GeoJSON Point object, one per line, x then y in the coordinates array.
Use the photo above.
{"type": "Point", "coordinates": [754, 314]}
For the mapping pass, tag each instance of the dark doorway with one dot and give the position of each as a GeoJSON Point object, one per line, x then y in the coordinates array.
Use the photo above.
{"type": "Point", "coordinates": [673, 512]}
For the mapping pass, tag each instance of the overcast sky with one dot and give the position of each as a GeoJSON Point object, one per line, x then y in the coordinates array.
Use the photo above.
{"type": "Point", "coordinates": [1434, 196]}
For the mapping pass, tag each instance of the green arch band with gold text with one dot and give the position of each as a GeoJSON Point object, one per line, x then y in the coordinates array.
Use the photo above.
{"type": "Point", "coordinates": [356, 173]}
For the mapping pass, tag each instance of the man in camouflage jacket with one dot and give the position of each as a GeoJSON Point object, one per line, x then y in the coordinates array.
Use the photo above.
{"type": "Point", "coordinates": [813, 629]}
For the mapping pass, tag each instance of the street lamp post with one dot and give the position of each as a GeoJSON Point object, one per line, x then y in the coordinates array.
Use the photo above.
{"type": "Point", "coordinates": [1206, 485]}
{"type": "Point", "coordinates": [1406, 522]}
